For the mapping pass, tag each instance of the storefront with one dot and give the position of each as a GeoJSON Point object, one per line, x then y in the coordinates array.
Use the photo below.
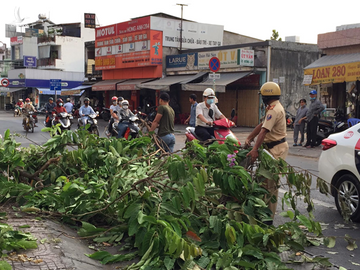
{"type": "Point", "coordinates": [236, 84]}
{"type": "Point", "coordinates": [128, 54]}
{"type": "Point", "coordinates": [337, 77]}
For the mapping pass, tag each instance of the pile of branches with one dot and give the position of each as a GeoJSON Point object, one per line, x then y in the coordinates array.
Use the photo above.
{"type": "Point", "coordinates": [198, 208]}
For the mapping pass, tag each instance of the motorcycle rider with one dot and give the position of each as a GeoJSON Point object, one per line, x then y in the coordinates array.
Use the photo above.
{"type": "Point", "coordinates": [20, 104]}
{"type": "Point", "coordinates": [59, 106]}
{"type": "Point", "coordinates": [68, 106]}
{"type": "Point", "coordinates": [206, 113]}
{"type": "Point", "coordinates": [114, 114]}
{"type": "Point", "coordinates": [124, 114]}
{"type": "Point", "coordinates": [272, 131]}
{"type": "Point", "coordinates": [28, 107]}
{"type": "Point", "coordinates": [49, 107]}
{"type": "Point", "coordinates": [85, 110]}
{"type": "Point", "coordinates": [119, 101]}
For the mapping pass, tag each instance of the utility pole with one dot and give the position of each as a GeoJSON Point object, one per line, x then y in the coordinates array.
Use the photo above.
{"type": "Point", "coordinates": [181, 25]}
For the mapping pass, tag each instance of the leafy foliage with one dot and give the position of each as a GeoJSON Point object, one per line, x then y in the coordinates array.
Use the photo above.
{"type": "Point", "coordinates": [171, 212]}
{"type": "Point", "coordinates": [11, 240]}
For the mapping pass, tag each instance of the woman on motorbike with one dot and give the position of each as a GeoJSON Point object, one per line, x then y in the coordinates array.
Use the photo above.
{"type": "Point", "coordinates": [28, 107]}
{"type": "Point", "coordinates": [125, 113]}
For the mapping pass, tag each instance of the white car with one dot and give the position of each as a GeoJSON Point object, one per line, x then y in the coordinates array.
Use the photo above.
{"type": "Point", "coordinates": [339, 165]}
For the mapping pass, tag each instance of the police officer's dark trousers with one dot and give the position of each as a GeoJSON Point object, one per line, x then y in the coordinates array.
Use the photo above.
{"type": "Point", "coordinates": [311, 131]}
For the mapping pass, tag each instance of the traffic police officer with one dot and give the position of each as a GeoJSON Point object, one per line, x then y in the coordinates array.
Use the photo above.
{"type": "Point", "coordinates": [271, 132]}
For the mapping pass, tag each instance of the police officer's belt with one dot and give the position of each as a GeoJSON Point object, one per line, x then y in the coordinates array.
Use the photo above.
{"type": "Point", "coordinates": [273, 144]}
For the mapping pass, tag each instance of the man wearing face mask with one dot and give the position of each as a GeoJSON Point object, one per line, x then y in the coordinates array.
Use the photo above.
{"type": "Point", "coordinates": [206, 113]}
{"type": "Point", "coordinates": [124, 113]}
{"type": "Point", "coordinates": [312, 118]}
{"type": "Point", "coordinates": [271, 132]}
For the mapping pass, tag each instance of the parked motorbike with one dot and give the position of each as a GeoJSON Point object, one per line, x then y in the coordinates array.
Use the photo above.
{"type": "Point", "coordinates": [325, 127]}
{"type": "Point", "coordinates": [222, 131]}
{"type": "Point", "coordinates": [17, 111]}
{"type": "Point", "coordinates": [92, 121]}
{"type": "Point", "coordinates": [63, 118]}
{"type": "Point", "coordinates": [30, 122]}
{"type": "Point", "coordinates": [290, 118]}
{"type": "Point", "coordinates": [105, 114]}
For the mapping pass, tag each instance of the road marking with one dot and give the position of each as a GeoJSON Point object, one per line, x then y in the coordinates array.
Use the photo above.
{"type": "Point", "coordinates": [315, 201]}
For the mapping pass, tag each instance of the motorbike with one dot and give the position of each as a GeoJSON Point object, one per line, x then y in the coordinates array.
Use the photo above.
{"type": "Point", "coordinates": [325, 127]}
{"type": "Point", "coordinates": [105, 114]}
{"type": "Point", "coordinates": [131, 131]}
{"type": "Point", "coordinates": [222, 131]}
{"type": "Point", "coordinates": [30, 122]}
{"type": "Point", "coordinates": [63, 118]}
{"type": "Point", "coordinates": [17, 111]}
{"type": "Point", "coordinates": [290, 118]}
{"type": "Point", "coordinates": [92, 121]}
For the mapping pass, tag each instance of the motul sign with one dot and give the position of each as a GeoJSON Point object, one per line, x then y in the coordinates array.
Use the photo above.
{"type": "Point", "coordinates": [106, 31]}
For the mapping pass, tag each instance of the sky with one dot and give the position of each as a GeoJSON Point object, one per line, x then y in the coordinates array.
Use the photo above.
{"type": "Point", "coordinates": [257, 19]}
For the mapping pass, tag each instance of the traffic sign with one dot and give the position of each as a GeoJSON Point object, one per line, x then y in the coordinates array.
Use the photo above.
{"type": "Point", "coordinates": [214, 64]}
{"type": "Point", "coordinates": [214, 76]}
{"type": "Point", "coordinates": [5, 82]}
{"type": "Point", "coordinates": [55, 84]}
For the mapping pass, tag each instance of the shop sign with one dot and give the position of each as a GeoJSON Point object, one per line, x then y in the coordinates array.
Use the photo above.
{"type": "Point", "coordinates": [89, 19]}
{"type": "Point", "coordinates": [194, 35]}
{"type": "Point", "coordinates": [188, 61]}
{"type": "Point", "coordinates": [16, 40]}
{"type": "Point", "coordinates": [228, 58]}
{"type": "Point", "coordinates": [131, 54]}
{"type": "Point", "coordinates": [246, 58]}
{"type": "Point", "coordinates": [29, 61]}
{"type": "Point", "coordinates": [349, 72]}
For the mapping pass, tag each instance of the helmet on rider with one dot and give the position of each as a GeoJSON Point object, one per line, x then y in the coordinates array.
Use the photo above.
{"type": "Point", "coordinates": [125, 104]}
{"type": "Point", "coordinates": [20, 99]}
{"type": "Point", "coordinates": [27, 100]}
{"type": "Point", "coordinates": [270, 91]}
{"type": "Point", "coordinates": [59, 102]}
{"type": "Point", "coordinates": [51, 99]}
{"type": "Point", "coordinates": [120, 99]}
{"type": "Point", "coordinates": [209, 96]}
{"type": "Point", "coordinates": [86, 101]}
{"type": "Point", "coordinates": [114, 99]}
{"type": "Point", "coordinates": [68, 99]}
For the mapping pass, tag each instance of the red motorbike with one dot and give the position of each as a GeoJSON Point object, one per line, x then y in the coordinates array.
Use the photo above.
{"type": "Point", "coordinates": [222, 131]}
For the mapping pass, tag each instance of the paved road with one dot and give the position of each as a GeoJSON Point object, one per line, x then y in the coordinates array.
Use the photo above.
{"type": "Point", "coordinates": [325, 211]}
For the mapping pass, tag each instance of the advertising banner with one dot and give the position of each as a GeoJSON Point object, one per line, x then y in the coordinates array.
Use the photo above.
{"type": "Point", "coordinates": [16, 40]}
{"type": "Point", "coordinates": [89, 19]}
{"type": "Point", "coordinates": [349, 72]}
{"type": "Point", "coordinates": [131, 54]}
{"type": "Point", "coordinates": [194, 35]}
{"type": "Point", "coordinates": [188, 61]}
{"type": "Point", "coordinates": [29, 61]}
{"type": "Point", "coordinates": [246, 58]}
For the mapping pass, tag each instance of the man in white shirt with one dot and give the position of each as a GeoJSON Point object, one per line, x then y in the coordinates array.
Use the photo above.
{"type": "Point", "coordinates": [206, 113]}
{"type": "Point", "coordinates": [68, 106]}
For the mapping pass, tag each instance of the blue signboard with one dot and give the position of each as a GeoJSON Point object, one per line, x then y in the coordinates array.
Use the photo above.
{"type": "Point", "coordinates": [55, 84]}
{"type": "Point", "coordinates": [29, 61]}
{"type": "Point", "coordinates": [187, 61]}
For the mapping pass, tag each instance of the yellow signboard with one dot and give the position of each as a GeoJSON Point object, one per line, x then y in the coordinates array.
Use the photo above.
{"type": "Point", "coordinates": [349, 72]}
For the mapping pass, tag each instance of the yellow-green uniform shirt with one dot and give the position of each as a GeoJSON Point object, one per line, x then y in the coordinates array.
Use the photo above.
{"type": "Point", "coordinates": [275, 122]}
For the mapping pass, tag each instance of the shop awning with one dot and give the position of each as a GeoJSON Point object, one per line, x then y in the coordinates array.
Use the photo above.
{"type": "Point", "coordinates": [105, 85]}
{"type": "Point", "coordinates": [164, 83]}
{"type": "Point", "coordinates": [225, 79]}
{"type": "Point", "coordinates": [47, 91]}
{"type": "Point", "coordinates": [11, 89]}
{"type": "Point", "coordinates": [131, 84]}
{"type": "Point", "coordinates": [77, 91]}
{"type": "Point", "coordinates": [333, 69]}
